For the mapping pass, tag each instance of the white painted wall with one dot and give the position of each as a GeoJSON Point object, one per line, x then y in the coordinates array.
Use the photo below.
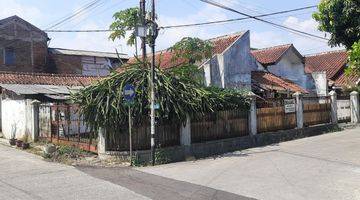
{"type": "Point", "coordinates": [14, 118]}
{"type": "Point", "coordinates": [95, 66]}
{"type": "Point", "coordinates": [321, 83]}
{"type": "Point", "coordinates": [290, 67]}
{"type": "Point", "coordinates": [18, 117]}
{"type": "Point", "coordinates": [232, 68]}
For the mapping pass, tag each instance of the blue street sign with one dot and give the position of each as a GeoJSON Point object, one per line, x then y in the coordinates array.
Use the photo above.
{"type": "Point", "coordinates": [129, 92]}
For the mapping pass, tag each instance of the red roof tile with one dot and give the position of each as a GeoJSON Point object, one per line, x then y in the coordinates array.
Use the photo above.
{"type": "Point", "coordinates": [45, 79]}
{"type": "Point", "coordinates": [270, 81]}
{"type": "Point", "coordinates": [347, 80]}
{"type": "Point", "coordinates": [165, 58]}
{"type": "Point", "coordinates": [330, 62]}
{"type": "Point", "coordinates": [270, 55]}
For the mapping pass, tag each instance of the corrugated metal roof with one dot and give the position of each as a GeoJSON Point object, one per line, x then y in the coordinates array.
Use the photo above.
{"type": "Point", "coordinates": [87, 53]}
{"type": "Point", "coordinates": [39, 89]}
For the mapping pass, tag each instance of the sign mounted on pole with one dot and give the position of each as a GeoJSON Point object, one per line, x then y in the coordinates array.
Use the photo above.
{"type": "Point", "coordinates": [129, 93]}
{"type": "Point", "coordinates": [289, 105]}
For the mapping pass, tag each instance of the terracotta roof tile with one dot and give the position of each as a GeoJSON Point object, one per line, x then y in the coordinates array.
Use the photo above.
{"type": "Point", "coordinates": [45, 79]}
{"type": "Point", "coordinates": [271, 55]}
{"type": "Point", "coordinates": [270, 81]}
{"type": "Point", "coordinates": [347, 80]}
{"type": "Point", "coordinates": [220, 44]}
{"type": "Point", "coordinates": [330, 62]}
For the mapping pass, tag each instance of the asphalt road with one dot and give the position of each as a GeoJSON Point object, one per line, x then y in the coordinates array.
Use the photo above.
{"type": "Point", "coordinates": [321, 167]}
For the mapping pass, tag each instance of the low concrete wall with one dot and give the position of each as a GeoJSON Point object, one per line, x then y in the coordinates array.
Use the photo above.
{"type": "Point", "coordinates": [216, 147]}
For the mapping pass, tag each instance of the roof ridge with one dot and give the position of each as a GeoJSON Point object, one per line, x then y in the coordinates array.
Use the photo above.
{"type": "Point", "coordinates": [54, 48]}
{"type": "Point", "coordinates": [46, 74]}
{"type": "Point", "coordinates": [237, 33]}
{"type": "Point", "coordinates": [273, 47]}
{"type": "Point", "coordinates": [325, 52]}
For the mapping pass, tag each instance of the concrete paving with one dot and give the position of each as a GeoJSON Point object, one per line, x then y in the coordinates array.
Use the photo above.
{"type": "Point", "coordinates": [321, 167]}
{"type": "Point", "coordinates": [158, 187]}
{"type": "Point", "coordinates": [25, 176]}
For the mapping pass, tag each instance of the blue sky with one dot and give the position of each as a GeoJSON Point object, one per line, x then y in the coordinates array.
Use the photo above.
{"type": "Point", "coordinates": [42, 13]}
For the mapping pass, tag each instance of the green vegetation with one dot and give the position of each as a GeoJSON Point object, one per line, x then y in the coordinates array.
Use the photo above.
{"type": "Point", "coordinates": [340, 18]}
{"type": "Point", "coordinates": [125, 20]}
{"type": "Point", "coordinates": [354, 59]}
{"type": "Point", "coordinates": [102, 104]}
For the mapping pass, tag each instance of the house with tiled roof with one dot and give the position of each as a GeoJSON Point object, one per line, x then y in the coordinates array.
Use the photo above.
{"type": "Point", "coordinates": [333, 65]}
{"type": "Point", "coordinates": [22, 92]}
{"type": "Point", "coordinates": [30, 71]}
{"type": "Point", "coordinates": [229, 67]}
{"type": "Point", "coordinates": [284, 61]}
{"type": "Point", "coordinates": [233, 64]}
{"type": "Point", "coordinates": [24, 48]}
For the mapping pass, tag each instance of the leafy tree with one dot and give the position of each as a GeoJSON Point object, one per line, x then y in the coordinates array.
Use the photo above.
{"type": "Point", "coordinates": [192, 49]}
{"type": "Point", "coordinates": [125, 20]}
{"type": "Point", "coordinates": [354, 59]}
{"type": "Point", "coordinates": [340, 18]}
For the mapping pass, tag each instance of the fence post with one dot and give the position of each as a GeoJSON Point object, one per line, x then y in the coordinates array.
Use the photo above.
{"type": "Point", "coordinates": [333, 98]}
{"type": "Point", "coordinates": [101, 141]}
{"type": "Point", "coordinates": [252, 115]}
{"type": "Point", "coordinates": [35, 120]}
{"type": "Point", "coordinates": [299, 110]}
{"type": "Point", "coordinates": [185, 133]}
{"type": "Point", "coordinates": [354, 107]}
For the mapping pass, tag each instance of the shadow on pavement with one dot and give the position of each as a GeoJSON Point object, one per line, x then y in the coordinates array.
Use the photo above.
{"type": "Point", "coordinates": [157, 187]}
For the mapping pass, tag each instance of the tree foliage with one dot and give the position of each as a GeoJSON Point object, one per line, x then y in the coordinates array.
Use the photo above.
{"type": "Point", "coordinates": [102, 104]}
{"type": "Point", "coordinates": [340, 18]}
{"type": "Point", "coordinates": [354, 59]}
{"type": "Point", "coordinates": [125, 21]}
{"type": "Point", "coordinates": [192, 49]}
{"type": "Point", "coordinates": [179, 91]}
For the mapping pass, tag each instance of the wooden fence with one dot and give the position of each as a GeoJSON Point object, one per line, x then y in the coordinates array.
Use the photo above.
{"type": "Point", "coordinates": [220, 125]}
{"type": "Point", "coordinates": [317, 112]}
{"type": "Point", "coordinates": [166, 135]}
{"type": "Point", "coordinates": [62, 124]}
{"type": "Point", "coordinates": [274, 118]}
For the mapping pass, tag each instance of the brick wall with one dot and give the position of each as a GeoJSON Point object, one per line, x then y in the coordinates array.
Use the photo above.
{"type": "Point", "coordinates": [23, 53]}
{"type": "Point", "coordinates": [29, 45]}
{"type": "Point", "coordinates": [65, 64]}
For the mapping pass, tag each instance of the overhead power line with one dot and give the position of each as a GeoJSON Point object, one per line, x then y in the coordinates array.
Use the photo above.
{"type": "Point", "coordinates": [195, 24]}
{"type": "Point", "coordinates": [237, 19]}
{"type": "Point", "coordinates": [262, 20]}
{"type": "Point", "coordinates": [81, 10]}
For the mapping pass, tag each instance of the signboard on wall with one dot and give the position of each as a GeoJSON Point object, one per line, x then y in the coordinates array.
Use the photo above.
{"type": "Point", "coordinates": [289, 105]}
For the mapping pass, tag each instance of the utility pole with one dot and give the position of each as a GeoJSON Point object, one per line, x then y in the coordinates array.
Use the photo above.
{"type": "Point", "coordinates": [154, 33]}
{"type": "Point", "coordinates": [143, 24]}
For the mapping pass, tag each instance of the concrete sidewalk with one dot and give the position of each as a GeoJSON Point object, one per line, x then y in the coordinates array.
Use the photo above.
{"type": "Point", "coordinates": [321, 167]}
{"type": "Point", "coordinates": [26, 176]}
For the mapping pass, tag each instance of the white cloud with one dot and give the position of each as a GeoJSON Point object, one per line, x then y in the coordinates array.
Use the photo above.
{"type": "Point", "coordinates": [90, 41]}
{"type": "Point", "coordinates": [168, 37]}
{"type": "Point", "coordinates": [265, 39]}
{"type": "Point", "coordinates": [308, 25]}
{"type": "Point", "coordinates": [13, 7]}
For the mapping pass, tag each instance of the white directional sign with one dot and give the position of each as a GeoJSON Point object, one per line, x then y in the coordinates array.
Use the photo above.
{"type": "Point", "coordinates": [289, 105]}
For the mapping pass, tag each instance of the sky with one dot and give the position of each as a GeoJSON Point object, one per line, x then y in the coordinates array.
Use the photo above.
{"type": "Point", "coordinates": [43, 13]}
